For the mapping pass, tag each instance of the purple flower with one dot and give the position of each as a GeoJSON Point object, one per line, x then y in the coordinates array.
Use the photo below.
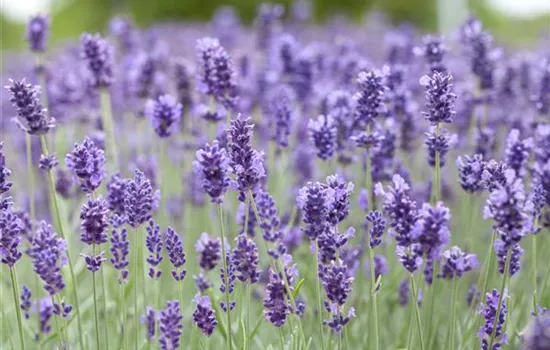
{"type": "Point", "coordinates": [87, 163]}
{"type": "Point", "coordinates": [517, 151]}
{"type": "Point", "coordinates": [31, 115]}
{"type": "Point", "coordinates": [542, 96]}
{"type": "Point", "coordinates": [323, 135]}
{"type": "Point", "coordinates": [46, 312]}
{"type": "Point", "coordinates": [216, 74]}
{"type": "Point", "coordinates": [456, 263]}
{"type": "Point", "coordinates": [10, 237]}
{"type": "Point", "coordinates": [164, 112]}
{"type": "Point", "coordinates": [479, 47]}
{"type": "Point", "coordinates": [48, 254]}
{"type": "Point", "coordinates": [378, 225]}
{"type": "Point", "coordinates": [502, 250]}
{"type": "Point", "coordinates": [440, 98]}
{"type": "Point", "coordinates": [315, 201]}
{"type": "Point", "coordinates": [138, 199]}
{"type": "Point", "coordinates": [489, 312]}
{"type": "Point", "coordinates": [5, 172]}
{"type": "Point", "coordinates": [369, 97]}
{"type": "Point", "coordinates": [170, 326]}
{"type": "Point", "coordinates": [26, 301]}
{"type": "Point", "coordinates": [245, 259]}
{"type": "Point", "coordinates": [212, 166]}
{"type": "Point", "coordinates": [38, 29]}
{"type": "Point", "coordinates": [336, 282]}
{"type": "Point", "coordinates": [340, 204]}
{"type": "Point", "coordinates": [174, 249]}
{"type": "Point", "coordinates": [410, 258]}
{"type": "Point", "coordinates": [142, 73]}
{"type": "Point", "coordinates": [154, 243]}
{"type": "Point", "coordinates": [247, 163]}
{"type": "Point", "coordinates": [470, 170]}
{"type": "Point", "coordinates": [204, 317]}
{"type": "Point", "coordinates": [338, 319]}
{"type": "Point", "coordinates": [94, 221]}
{"type": "Point", "coordinates": [210, 251]}
{"type": "Point", "coordinates": [202, 282]}
{"type": "Point", "coordinates": [150, 321]}
{"type": "Point", "coordinates": [433, 51]}
{"type": "Point", "coordinates": [270, 217]}
{"type": "Point", "coordinates": [493, 175]}
{"type": "Point", "coordinates": [64, 184]}
{"type": "Point", "coordinates": [400, 209]}
{"type": "Point", "coordinates": [281, 112]}
{"type": "Point", "coordinates": [120, 248]}
{"type": "Point", "coordinates": [276, 308]}
{"type": "Point", "coordinates": [123, 29]}
{"type": "Point", "coordinates": [98, 55]}
{"type": "Point", "coordinates": [330, 242]}
{"type": "Point", "coordinates": [116, 188]}
{"type": "Point", "coordinates": [537, 336]}
{"type": "Point", "coordinates": [94, 262]}
{"type": "Point", "coordinates": [47, 163]}
{"type": "Point", "coordinates": [437, 144]}
{"type": "Point", "coordinates": [241, 219]}
{"type": "Point", "coordinates": [473, 296]}
{"type": "Point", "coordinates": [228, 285]}
{"type": "Point", "coordinates": [267, 23]}
{"type": "Point", "coordinates": [403, 292]}
{"type": "Point", "coordinates": [62, 309]}
{"type": "Point", "coordinates": [380, 267]}
{"type": "Point", "coordinates": [182, 77]}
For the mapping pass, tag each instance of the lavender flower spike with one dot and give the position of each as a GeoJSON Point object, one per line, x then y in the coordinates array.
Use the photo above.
{"type": "Point", "coordinates": [369, 98]}
{"type": "Point", "coordinates": [5, 172]}
{"type": "Point", "coordinates": [154, 244]}
{"type": "Point", "coordinates": [98, 55]}
{"type": "Point", "coordinates": [315, 200]}
{"type": "Point", "coordinates": [138, 199]}
{"type": "Point", "coordinates": [164, 114]}
{"type": "Point", "coordinates": [10, 237]}
{"type": "Point", "coordinates": [276, 308]}
{"type": "Point", "coordinates": [440, 98]}
{"type": "Point", "coordinates": [38, 29]}
{"type": "Point", "coordinates": [456, 263]}
{"type": "Point", "coordinates": [31, 115]}
{"type": "Point", "coordinates": [323, 135]}
{"type": "Point", "coordinates": [171, 326]}
{"type": "Point", "coordinates": [245, 259]}
{"type": "Point", "coordinates": [87, 163]}
{"type": "Point", "coordinates": [210, 251]}
{"type": "Point", "coordinates": [94, 221]}
{"type": "Point", "coordinates": [489, 311]}
{"type": "Point", "coordinates": [174, 249]}
{"type": "Point", "coordinates": [120, 248]}
{"type": "Point", "coordinates": [212, 166]}
{"type": "Point", "coordinates": [517, 151]}
{"type": "Point", "coordinates": [204, 316]}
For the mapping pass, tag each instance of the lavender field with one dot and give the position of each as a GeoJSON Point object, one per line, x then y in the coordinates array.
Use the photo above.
{"type": "Point", "coordinates": [279, 185]}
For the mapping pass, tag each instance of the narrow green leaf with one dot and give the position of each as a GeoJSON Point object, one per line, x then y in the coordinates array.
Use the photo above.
{"type": "Point", "coordinates": [256, 328]}
{"type": "Point", "coordinates": [298, 287]}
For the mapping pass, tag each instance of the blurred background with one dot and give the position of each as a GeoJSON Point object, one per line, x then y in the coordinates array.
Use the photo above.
{"type": "Point", "coordinates": [515, 22]}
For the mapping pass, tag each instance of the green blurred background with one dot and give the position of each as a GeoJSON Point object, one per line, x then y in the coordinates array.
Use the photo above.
{"type": "Point", "coordinates": [71, 17]}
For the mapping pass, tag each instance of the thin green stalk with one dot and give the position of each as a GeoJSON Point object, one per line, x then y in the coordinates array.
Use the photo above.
{"type": "Point", "coordinates": [417, 312]}
{"type": "Point", "coordinates": [15, 288]}
{"type": "Point", "coordinates": [180, 297]}
{"type": "Point", "coordinates": [410, 327]}
{"type": "Point", "coordinates": [501, 296]}
{"type": "Point", "coordinates": [280, 332]}
{"type": "Point", "coordinates": [57, 326]}
{"type": "Point", "coordinates": [98, 343]}
{"type": "Point", "coordinates": [373, 295]}
{"type": "Point", "coordinates": [136, 282]}
{"type": "Point", "coordinates": [318, 288]}
{"type": "Point", "coordinates": [225, 276]}
{"type": "Point", "coordinates": [437, 169]}
{"type": "Point", "coordinates": [104, 300]}
{"type": "Point", "coordinates": [57, 213]}
{"type": "Point", "coordinates": [108, 126]}
{"type": "Point", "coordinates": [248, 293]}
{"type": "Point", "coordinates": [30, 171]}
{"type": "Point", "coordinates": [534, 248]}
{"type": "Point", "coordinates": [453, 313]}
{"type": "Point", "coordinates": [123, 312]}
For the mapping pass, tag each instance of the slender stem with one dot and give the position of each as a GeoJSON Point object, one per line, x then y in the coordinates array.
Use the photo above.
{"type": "Point", "coordinates": [534, 248]}
{"type": "Point", "coordinates": [56, 320]}
{"type": "Point", "coordinates": [30, 171]}
{"type": "Point", "coordinates": [180, 297]}
{"type": "Point", "coordinates": [123, 312]}
{"type": "Point", "coordinates": [108, 126]}
{"type": "Point", "coordinates": [225, 277]}
{"type": "Point", "coordinates": [74, 288]}
{"type": "Point", "coordinates": [437, 170]}
{"type": "Point", "coordinates": [280, 332]}
{"type": "Point", "coordinates": [501, 297]}
{"type": "Point", "coordinates": [15, 288]}
{"type": "Point", "coordinates": [417, 312]}
{"type": "Point", "coordinates": [248, 293]}
{"type": "Point", "coordinates": [373, 294]}
{"type": "Point", "coordinates": [453, 313]}
{"type": "Point", "coordinates": [98, 343]}
{"type": "Point", "coordinates": [318, 288]}
{"type": "Point", "coordinates": [104, 301]}
{"type": "Point", "coordinates": [136, 282]}
{"type": "Point", "coordinates": [368, 175]}
{"type": "Point", "coordinates": [410, 327]}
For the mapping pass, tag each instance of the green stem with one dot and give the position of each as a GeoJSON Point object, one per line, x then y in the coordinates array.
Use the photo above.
{"type": "Point", "coordinates": [501, 296]}
{"type": "Point", "coordinates": [105, 316]}
{"type": "Point", "coordinates": [30, 171]}
{"type": "Point", "coordinates": [74, 288]}
{"type": "Point", "coordinates": [437, 176]}
{"type": "Point", "coordinates": [136, 282]}
{"type": "Point", "coordinates": [318, 288]}
{"type": "Point", "coordinates": [453, 313]}
{"type": "Point", "coordinates": [248, 293]}
{"type": "Point", "coordinates": [534, 248]}
{"type": "Point", "coordinates": [56, 320]}
{"type": "Point", "coordinates": [373, 294]}
{"type": "Point", "coordinates": [124, 319]}
{"type": "Point", "coordinates": [108, 126]}
{"type": "Point", "coordinates": [280, 332]}
{"type": "Point", "coordinates": [98, 343]}
{"type": "Point", "coordinates": [225, 277]}
{"type": "Point", "coordinates": [15, 288]}
{"type": "Point", "coordinates": [417, 312]}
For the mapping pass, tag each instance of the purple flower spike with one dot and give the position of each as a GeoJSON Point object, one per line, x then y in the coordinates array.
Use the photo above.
{"type": "Point", "coordinates": [470, 171]}
{"type": "Point", "coordinates": [245, 259]}
{"type": "Point", "coordinates": [210, 251]}
{"type": "Point", "coordinates": [31, 115]}
{"type": "Point", "coordinates": [47, 163]}
{"type": "Point", "coordinates": [456, 263]}
{"type": "Point", "coordinates": [440, 98]}
{"type": "Point", "coordinates": [212, 166]}
{"type": "Point", "coordinates": [542, 97]}
{"type": "Point", "coordinates": [323, 135]}
{"type": "Point", "coordinates": [48, 254]}
{"type": "Point", "coordinates": [170, 326]}
{"type": "Point", "coordinates": [38, 29]}
{"type": "Point", "coordinates": [281, 111]}
{"type": "Point", "coordinates": [98, 55]}
{"type": "Point", "coordinates": [340, 205]}
{"type": "Point", "coordinates": [120, 248]}
{"type": "Point", "coordinates": [204, 316]}
{"type": "Point", "coordinates": [378, 225]}
{"type": "Point", "coordinates": [115, 194]}
{"type": "Point", "coordinates": [315, 200]}
{"type": "Point", "coordinates": [517, 151]}
{"type": "Point", "coordinates": [489, 311]}
{"type": "Point", "coordinates": [26, 301]}
{"type": "Point", "coordinates": [150, 322]}
{"type": "Point", "coordinates": [139, 199]}
{"type": "Point", "coordinates": [164, 114]}
{"type": "Point", "coordinates": [336, 282]}
{"type": "Point", "coordinates": [247, 163]}
{"type": "Point", "coordinates": [94, 262]}
{"type": "Point", "coordinates": [229, 285]}
{"type": "Point", "coordinates": [276, 308]}
{"type": "Point", "coordinates": [87, 163]}
{"type": "Point", "coordinates": [174, 248]}
{"type": "Point", "coordinates": [369, 97]}
{"type": "Point", "coordinates": [537, 336]}
{"type": "Point", "coordinates": [154, 244]}
{"type": "Point", "coordinates": [437, 144]}
{"type": "Point", "coordinates": [433, 51]}
{"type": "Point", "coordinates": [94, 221]}
{"type": "Point", "coordinates": [5, 172]}
{"type": "Point", "coordinates": [10, 237]}
{"type": "Point", "coordinates": [216, 74]}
